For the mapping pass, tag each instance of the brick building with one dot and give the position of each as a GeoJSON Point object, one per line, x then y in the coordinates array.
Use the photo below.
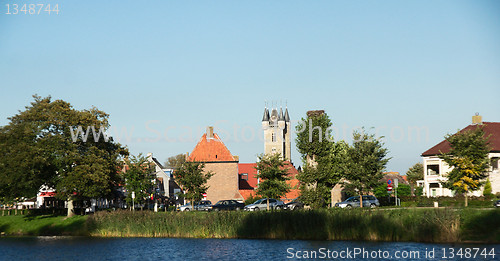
{"type": "Point", "coordinates": [217, 158]}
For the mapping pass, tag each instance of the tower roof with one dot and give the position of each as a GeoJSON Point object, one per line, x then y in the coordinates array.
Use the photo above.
{"type": "Point", "coordinates": [274, 115]}
{"type": "Point", "coordinates": [281, 117]}
{"type": "Point", "coordinates": [266, 115]}
{"type": "Point", "coordinates": [287, 117]}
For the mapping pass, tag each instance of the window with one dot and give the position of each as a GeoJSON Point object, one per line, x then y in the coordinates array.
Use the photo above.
{"type": "Point", "coordinates": [494, 163]}
{"type": "Point", "coordinates": [244, 176]}
{"type": "Point", "coordinates": [432, 169]}
{"type": "Point", "coordinates": [273, 137]}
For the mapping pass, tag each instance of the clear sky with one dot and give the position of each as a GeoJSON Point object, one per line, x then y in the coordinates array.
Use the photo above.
{"type": "Point", "coordinates": [164, 70]}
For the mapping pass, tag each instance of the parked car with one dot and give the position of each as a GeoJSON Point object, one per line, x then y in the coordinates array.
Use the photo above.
{"type": "Point", "coordinates": [294, 204]}
{"type": "Point", "coordinates": [261, 204]}
{"type": "Point", "coordinates": [353, 202]}
{"type": "Point", "coordinates": [185, 207]}
{"type": "Point", "coordinates": [204, 205]}
{"type": "Point", "coordinates": [228, 205]}
{"type": "Point", "coordinates": [497, 204]}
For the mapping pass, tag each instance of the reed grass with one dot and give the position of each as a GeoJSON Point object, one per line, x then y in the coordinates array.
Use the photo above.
{"type": "Point", "coordinates": [417, 225]}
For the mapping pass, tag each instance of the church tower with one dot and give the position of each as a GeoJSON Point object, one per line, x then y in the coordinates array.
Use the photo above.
{"type": "Point", "coordinates": [277, 132]}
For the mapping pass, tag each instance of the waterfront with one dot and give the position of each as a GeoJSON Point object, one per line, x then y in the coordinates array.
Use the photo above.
{"type": "Point", "coordinates": [86, 248]}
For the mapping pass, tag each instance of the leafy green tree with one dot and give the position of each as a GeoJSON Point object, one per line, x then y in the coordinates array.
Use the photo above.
{"type": "Point", "coordinates": [404, 190]}
{"type": "Point", "coordinates": [273, 175]}
{"type": "Point", "coordinates": [414, 174]}
{"type": "Point", "coordinates": [321, 157]}
{"type": "Point", "coordinates": [175, 162]}
{"type": "Point", "coordinates": [365, 162]}
{"type": "Point", "coordinates": [139, 176]}
{"type": "Point", "coordinates": [380, 191]}
{"type": "Point", "coordinates": [39, 147]}
{"type": "Point", "coordinates": [193, 180]}
{"type": "Point", "coordinates": [487, 188]}
{"type": "Point", "coordinates": [469, 160]}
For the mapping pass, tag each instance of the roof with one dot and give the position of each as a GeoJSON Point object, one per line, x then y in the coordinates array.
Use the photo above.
{"type": "Point", "coordinates": [251, 182]}
{"type": "Point", "coordinates": [247, 186]}
{"type": "Point", "coordinates": [489, 128]}
{"type": "Point", "coordinates": [266, 115]}
{"type": "Point", "coordinates": [211, 150]}
{"type": "Point", "coordinates": [287, 117]}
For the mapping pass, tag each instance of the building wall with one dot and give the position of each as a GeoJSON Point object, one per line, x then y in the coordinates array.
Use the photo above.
{"type": "Point", "coordinates": [494, 176]}
{"type": "Point", "coordinates": [224, 183]}
{"type": "Point", "coordinates": [282, 143]}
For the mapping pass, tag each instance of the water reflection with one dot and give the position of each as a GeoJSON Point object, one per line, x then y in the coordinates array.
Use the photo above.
{"type": "Point", "coordinates": [84, 248]}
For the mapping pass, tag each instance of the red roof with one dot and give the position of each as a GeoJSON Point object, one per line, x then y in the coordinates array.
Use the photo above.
{"type": "Point", "coordinates": [211, 150]}
{"type": "Point", "coordinates": [247, 186]}
{"type": "Point", "coordinates": [249, 169]}
{"type": "Point", "coordinates": [489, 128]}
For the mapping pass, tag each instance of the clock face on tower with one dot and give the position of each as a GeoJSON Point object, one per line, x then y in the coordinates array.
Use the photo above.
{"type": "Point", "coordinates": [273, 118]}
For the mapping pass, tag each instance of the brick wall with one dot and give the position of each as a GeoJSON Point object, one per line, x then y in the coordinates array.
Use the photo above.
{"type": "Point", "coordinates": [224, 183]}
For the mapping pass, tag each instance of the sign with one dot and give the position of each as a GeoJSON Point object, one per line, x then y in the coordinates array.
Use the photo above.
{"type": "Point", "coordinates": [389, 188]}
{"type": "Point", "coordinates": [396, 183]}
{"type": "Point", "coordinates": [389, 182]}
{"type": "Point", "coordinates": [204, 195]}
{"type": "Point", "coordinates": [133, 194]}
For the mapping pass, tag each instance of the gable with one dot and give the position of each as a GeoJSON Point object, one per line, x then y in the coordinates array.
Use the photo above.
{"type": "Point", "coordinates": [211, 150]}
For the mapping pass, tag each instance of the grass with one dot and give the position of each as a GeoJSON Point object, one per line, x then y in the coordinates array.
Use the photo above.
{"type": "Point", "coordinates": [46, 225]}
{"type": "Point", "coordinates": [418, 225]}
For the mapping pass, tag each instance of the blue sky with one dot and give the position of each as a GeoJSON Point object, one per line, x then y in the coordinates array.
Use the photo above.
{"type": "Point", "coordinates": [164, 70]}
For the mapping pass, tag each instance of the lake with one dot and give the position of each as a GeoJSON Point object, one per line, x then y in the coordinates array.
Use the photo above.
{"type": "Point", "coordinates": [84, 248]}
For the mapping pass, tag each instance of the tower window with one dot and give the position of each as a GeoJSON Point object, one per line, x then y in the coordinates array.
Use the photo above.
{"type": "Point", "coordinates": [244, 176]}
{"type": "Point", "coordinates": [273, 137]}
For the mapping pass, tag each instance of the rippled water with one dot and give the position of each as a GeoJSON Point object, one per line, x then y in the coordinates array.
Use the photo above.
{"type": "Point", "coordinates": [82, 248]}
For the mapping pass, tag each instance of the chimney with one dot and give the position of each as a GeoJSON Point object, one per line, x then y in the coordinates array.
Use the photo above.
{"type": "Point", "coordinates": [210, 132]}
{"type": "Point", "coordinates": [477, 120]}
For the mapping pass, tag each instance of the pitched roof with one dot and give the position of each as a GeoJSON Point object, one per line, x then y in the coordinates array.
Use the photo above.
{"type": "Point", "coordinates": [211, 150]}
{"type": "Point", "coordinates": [489, 128]}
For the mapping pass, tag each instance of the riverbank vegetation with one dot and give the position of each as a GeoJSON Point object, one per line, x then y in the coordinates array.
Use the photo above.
{"type": "Point", "coordinates": [418, 225]}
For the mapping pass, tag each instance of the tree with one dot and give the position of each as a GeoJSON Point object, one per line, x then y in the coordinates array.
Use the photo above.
{"type": "Point", "coordinates": [193, 180]}
{"type": "Point", "coordinates": [365, 162]}
{"type": "Point", "coordinates": [487, 188]}
{"type": "Point", "coordinates": [469, 160]}
{"type": "Point", "coordinates": [321, 158]}
{"type": "Point", "coordinates": [138, 178]}
{"type": "Point", "coordinates": [273, 175]}
{"type": "Point", "coordinates": [415, 173]}
{"type": "Point", "coordinates": [39, 147]}
{"type": "Point", "coordinates": [175, 162]}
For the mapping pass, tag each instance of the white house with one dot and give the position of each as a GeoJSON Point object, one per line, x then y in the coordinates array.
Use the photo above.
{"type": "Point", "coordinates": [435, 169]}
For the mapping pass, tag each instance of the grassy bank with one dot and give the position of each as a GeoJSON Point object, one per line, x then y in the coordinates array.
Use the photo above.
{"type": "Point", "coordinates": [419, 225]}
{"type": "Point", "coordinates": [44, 225]}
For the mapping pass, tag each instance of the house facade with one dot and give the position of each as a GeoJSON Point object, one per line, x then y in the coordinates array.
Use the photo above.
{"type": "Point", "coordinates": [217, 158]}
{"type": "Point", "coordinates": [436, 170]}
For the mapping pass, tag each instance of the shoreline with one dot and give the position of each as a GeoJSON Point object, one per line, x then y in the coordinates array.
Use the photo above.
{"type": "Point", "coordinates": [464, 226]}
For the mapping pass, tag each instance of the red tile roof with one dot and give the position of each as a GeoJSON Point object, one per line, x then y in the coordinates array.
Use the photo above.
{"type": "Point", "coordinates": [211, 150]}
{"type": "Point", "coordinates": [247, 186]}
{"type": "Point", "coordinates": [248, 168]}
{"type": "Point", "coordinates": [489, 128]}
